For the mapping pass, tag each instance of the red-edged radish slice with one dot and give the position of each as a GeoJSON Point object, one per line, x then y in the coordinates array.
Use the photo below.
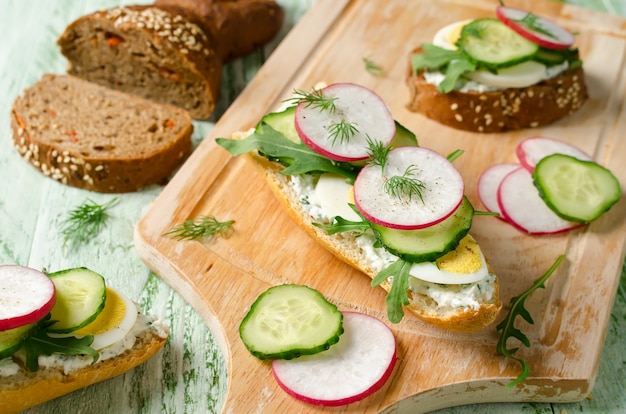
{"type": "Point", "coordinates": [441, 193]}
{"type": "Point", "coordinates": [342, 133]}
{"type": "Point", "coordinates": [352, 369]}
{"type": "Point", "coordinates": [489, 182]}
{"type": "Point", "coordinates": [535, 28]}
{"type": "Point", "coordinates": [522, 206]}
{"type": "Point", "coordinates": [533, 149]}
{"type": "Point", "coordinates": [26, 296]}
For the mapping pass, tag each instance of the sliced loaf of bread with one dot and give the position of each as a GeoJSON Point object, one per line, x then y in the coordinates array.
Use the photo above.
{"type": "Point", "coordinates": [157, 53]}
{"type": "Point", "coordinates": [92, 137]}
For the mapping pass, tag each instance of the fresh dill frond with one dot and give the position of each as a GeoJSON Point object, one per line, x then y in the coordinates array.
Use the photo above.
{"type": "Point", "coordinates": [342, 131]}
{"type": "Point", "coordinates": [203, 227]}
{"type": "Point", "coordinates": [372, 67]}
{"type": "Point", "coordinates": [378, 153]}
{"type": "Point", "coordinates": [85, 222]}
{"type": "Point", "coordinates": [405, 185]}
{"type": "Point", "coordinates": [315, 99]}
{"type": "Point", "coordinates": [531, 21]}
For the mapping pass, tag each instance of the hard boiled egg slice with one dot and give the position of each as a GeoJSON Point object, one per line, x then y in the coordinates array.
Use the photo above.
{"type": "Point", "coordinates": [114, 321]}
{"type": "Point", "coordinates": [447, 36]}
{"type": "Point", "coordinates": [465, 264]}
{"type": "Point", "coordinates": [518, 76]}
{"type": "Point", "coordinates": [333, 194]}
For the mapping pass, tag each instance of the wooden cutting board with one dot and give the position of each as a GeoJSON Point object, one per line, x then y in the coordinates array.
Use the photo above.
{"type": "Point", "coordinates": [436, 369]}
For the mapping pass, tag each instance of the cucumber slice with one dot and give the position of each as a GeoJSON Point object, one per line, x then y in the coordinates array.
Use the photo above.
{"type": "Point", "coordinates": [11, 339]}
{"type": "Point", "coordinates": [403, 137]}
{"type": "Point", "coordinates": [80, 298]}
{"type": "Point", "coordinates": [491, 43]}
{"type": "Point", "coordinates": [576, 190]}
{"type": "Point", "coordinates": [430, 243]}
{"type": "Point", "coordinates": [288, 321]}
{"type": "Point", "coordinates": [283, 122]}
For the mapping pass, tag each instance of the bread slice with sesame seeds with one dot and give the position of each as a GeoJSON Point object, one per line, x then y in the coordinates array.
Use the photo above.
{"type": "Point", "coordinates": [499, 110]}
{"type": "Point", "coordinates": [161, 54]}
{"type": "Point", "coordinates": [92, 137]}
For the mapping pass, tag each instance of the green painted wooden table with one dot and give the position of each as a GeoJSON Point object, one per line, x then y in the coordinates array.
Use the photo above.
{"type": "Point", "coordinates": [188, 375]}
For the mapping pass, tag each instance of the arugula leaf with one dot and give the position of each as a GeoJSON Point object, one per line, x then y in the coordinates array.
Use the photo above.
{"type": "Point", "coordinates": [397, 296]}
{"type": "Point", "coordinates": [453, 63]}
{"type": "Point", "coordinates": [506, 329]}
{"type": "Point", "coordinates": [296, 157]}
{"type": "Point", "coordinates": [339, 225]}
{"type": "Point", "coordinates": [40, 343]}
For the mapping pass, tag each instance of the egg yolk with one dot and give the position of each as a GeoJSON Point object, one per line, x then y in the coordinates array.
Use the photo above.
{"type": "Point", "coordinates": [455, 34]}
{"type": "Point", "coordinates": [110, 317]}
{"type": "Point", "coordinates": [464, 259]}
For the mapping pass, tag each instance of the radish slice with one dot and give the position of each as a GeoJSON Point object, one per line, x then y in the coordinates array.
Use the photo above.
{"type": "Point", "coordinates": [489, 182]}
{"type": "Point", "coordinates": [441, 194]}
{"type": "Point", "coordinates": [533, 149]}
{"type": "Point", "coordinates": [357, 366]}
{"type": "Point", "coordinates": [26, 296]}
{"type": "Point", "coordinates": [342, 133]}
{"type": "Point", "coordinates": [535, 28]}
{"type": "Point", "coordinates": [522, 206]}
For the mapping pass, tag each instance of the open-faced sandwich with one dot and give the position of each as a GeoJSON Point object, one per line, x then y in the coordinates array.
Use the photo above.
{"type": "Point", "coordinates": [357, 181]}
{"type": "Point", "coordinates": [514, 71]}
{"type": "Point", "coordinates": [66, 330]}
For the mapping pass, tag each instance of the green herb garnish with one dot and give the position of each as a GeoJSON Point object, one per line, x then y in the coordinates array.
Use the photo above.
{"type": "Point", "coordinates": [453, 63]}
{"type": "Point", "coordinates": [204, 227]}
{"type": "Point", "coordinates": [404, 185]}
{"type": "Point", "coordinates": [378, 153]}
{"type": "Point", "coordinates": [397, 296]}
{"type": "Point", "coordinates": [40, 343]}
{"type": "Point", "coordinates": [342, 131]}
{"type": "Point", "coordinates": [531, 22]}
{"type": "Point", "coordinates": [315, 99]}
{"type": "Point", "coordinates": [372, 67]}
{"type": "Point", "coordinates": [85, 222]}
{"type": "Point", "coordinates": [506, 329]}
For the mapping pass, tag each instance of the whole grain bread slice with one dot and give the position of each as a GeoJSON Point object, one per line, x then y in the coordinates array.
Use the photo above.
{"type": "Point", "coordinates": [161, 54]}
{"type": "Point", "coordinates": [92, 137]}
{"type": "Point", "coordinates": [501, 110]}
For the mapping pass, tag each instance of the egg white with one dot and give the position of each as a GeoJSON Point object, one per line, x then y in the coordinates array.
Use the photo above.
{"type": "Point", "coordinates": [117, 333]}
{"type": "Point", "coordinates": [333, 194]}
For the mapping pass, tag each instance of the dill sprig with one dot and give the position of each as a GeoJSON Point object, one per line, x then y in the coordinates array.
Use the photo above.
{"type": "Point", "coordinates": [405, 185]}
{"type": "Point", "coordinates": [531, 21]}
{"type": "Point", "coordinates": [203, 227]}
{"type": "Point", "coordinates": [315, 99]}
{"type": "Point", "coordinates": [378, 153]}
{"type": "Point", "coordinates": [85, 222]}
{"type": "Point", "coordinates": [372, 67]}
{"type": "Point", "coordinates": [342, 131]}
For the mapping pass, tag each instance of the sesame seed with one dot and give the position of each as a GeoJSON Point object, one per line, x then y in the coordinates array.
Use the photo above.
{"type": "Point", "coordinates": [458, 117]}
{"type": "Point", "coordinates": [454, 106]}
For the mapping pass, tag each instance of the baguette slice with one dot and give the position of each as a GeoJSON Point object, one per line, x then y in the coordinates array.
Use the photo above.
{"type": "Point", "coordinates": [95, 138]}
{"type": "Point", "coordinates": [501, 110]}
{"type": "Point", "coordinates": [345, 247]}
{"type": "Point", "coordinates": [160, 54]}
{"type": "Point", "coordinates": [26, 389]}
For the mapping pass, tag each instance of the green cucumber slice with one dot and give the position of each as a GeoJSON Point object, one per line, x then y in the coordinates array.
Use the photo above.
{"type": "Point", "coordinates": [80, 298]}
{"type": "Point", "coordinates": [491, 43]}
{"type": "Point", "coordinates": [403, 137]}
{"type": "Point", "coordinates": [429, 243]}
{"type": "Point", "coordinates": [288, 321]}
{"type": "Point", "coordinates": [11, 339]}
{"type": "Point", "coordinates": [283, 122]}
{"type": "Point", "coordinates": [576, 190]}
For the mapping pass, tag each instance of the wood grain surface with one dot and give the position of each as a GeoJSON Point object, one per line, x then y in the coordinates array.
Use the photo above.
{"type": "Point", "coordinates": [329, 43]}
{"type": "Point", "coordinates": [191, 374]}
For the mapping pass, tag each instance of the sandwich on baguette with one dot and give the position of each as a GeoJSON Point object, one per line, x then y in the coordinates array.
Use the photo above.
{"type": "Point", "coordinates": [66, 330]}
{"type": "Point", "coordinates": [357, 182]}
{"type": "Point", "coordinates": [493, 74]}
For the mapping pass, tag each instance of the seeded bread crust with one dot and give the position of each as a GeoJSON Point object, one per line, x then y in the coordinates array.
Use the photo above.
{"type": "Point", "coordinates": [345, 248]}
{"type": "Point", "coordinates": [27, 389]}
{"type": "Point", "coordinates": [160, 54]}
{"type": "Point", "coordinates": [499, 111]}
{"type": "Point", "coordinates": [88, 136]}
{"type": "Point", "coordinates": [239, 26]}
